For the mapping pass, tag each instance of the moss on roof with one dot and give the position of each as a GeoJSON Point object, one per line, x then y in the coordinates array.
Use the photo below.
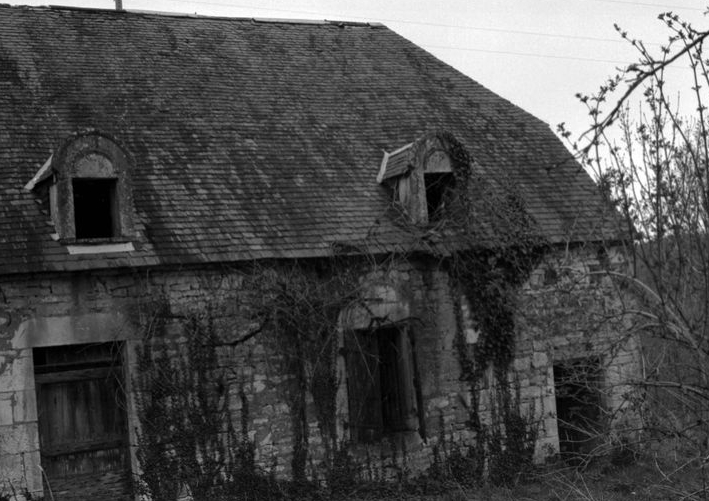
{"type": "Point", "coordinates": [252, 139]}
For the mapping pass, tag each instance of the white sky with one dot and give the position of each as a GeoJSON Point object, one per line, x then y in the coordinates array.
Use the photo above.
{"type": "Point", "coordinates": [536, 53]}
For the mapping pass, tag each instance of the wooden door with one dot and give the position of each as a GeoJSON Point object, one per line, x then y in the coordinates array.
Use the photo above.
{"type": "Point", "coordinates": [82, 421]}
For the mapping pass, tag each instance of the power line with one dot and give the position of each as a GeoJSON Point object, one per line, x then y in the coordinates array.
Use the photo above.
{"type": "Point", "coordinates": [646, 4]}
{"type": "Point", "coordinates": [528, 54]}
{"type": "Point", "coordinates": [545, 56]}
{"type": "Point", "coordinates": [467, 49]}
{"type": "Point", "coordinates": [501, 30]}
{"type": "Point", "coordinates": [420, 23]}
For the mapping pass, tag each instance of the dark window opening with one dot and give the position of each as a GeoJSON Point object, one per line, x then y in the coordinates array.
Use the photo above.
{"type": "Point", "coordinates": [76, 356]}
{"type": "Point", "coordinates": [95, 208]}
{"type": "Point", "coordinates": [380, 375]}
{"type": "Point", "coordinates": [439, 188]}
{"type": "Point", "coordinates": [578, 405]}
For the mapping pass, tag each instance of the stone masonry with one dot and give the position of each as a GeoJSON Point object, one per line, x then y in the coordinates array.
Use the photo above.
{"type": "Point", "coordinates": [564, 313]}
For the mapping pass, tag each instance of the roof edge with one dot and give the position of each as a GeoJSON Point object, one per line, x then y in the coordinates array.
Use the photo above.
{"type": "Point", "coordinates": [322, 22]}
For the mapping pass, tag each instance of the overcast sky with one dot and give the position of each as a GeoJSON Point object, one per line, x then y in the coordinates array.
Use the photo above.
{"type": "Point", "coordinates": [536, 53]}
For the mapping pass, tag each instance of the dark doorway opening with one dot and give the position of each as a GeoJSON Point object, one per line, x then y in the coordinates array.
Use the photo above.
{"type": "Point", "coordinates": [578, 405]}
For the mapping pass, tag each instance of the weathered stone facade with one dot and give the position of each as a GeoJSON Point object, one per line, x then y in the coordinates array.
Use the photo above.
{"type": "Point", "coordinates": [133, 207]}
{"type": "Point", "coordinates": [563, 314]}
{"type": "Point", "coordinates": [573, 308]}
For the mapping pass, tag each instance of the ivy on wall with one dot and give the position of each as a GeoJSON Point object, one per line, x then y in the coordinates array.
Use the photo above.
{"type": "Point", "coordinates": [182, 394]}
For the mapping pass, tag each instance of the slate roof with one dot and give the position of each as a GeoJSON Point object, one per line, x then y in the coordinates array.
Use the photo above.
{"type": "Point", "coordinates": [251, 139]}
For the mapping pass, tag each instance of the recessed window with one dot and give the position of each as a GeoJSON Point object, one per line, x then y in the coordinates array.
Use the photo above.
{"type": "Point", "coordinates": [439, 189]}
{"type": "Point", "coordinates": [380, 373]}
{"type": "Point", "coordinates": [95, 208]}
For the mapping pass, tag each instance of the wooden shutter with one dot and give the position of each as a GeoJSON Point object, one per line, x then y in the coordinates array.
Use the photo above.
{"type": "Point", "coordinates": [365, 411]}
{"type": "Point", "coordinates": [82, 422]}
{"type": "Point", "coordinates": [397, 375]}
{"type": "Point", "coordinates": [380, 383]}
{"type": "Point", "coordinates": [407, 374]}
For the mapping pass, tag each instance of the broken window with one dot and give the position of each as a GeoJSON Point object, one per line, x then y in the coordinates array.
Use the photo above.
{"type": "Point", "coordinates": [439, 188]}
{"type": "Point", "coordinates": [95, 208]}
{"type": "Point", "coordinates": [578, 405]}
{"type": "Point", "coordinates": [381, 383]}
{"type": "Point", "coordinates": [81, 413]}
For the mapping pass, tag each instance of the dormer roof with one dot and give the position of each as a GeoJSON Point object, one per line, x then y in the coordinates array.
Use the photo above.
{"type": "Point", "coordinates": [395, 164]}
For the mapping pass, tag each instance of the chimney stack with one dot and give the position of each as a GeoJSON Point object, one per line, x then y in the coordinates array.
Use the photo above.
{"type": "Point", "coordinates": [119, 4]}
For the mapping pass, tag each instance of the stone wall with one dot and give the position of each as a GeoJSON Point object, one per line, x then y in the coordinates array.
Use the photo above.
{"type": "Point", "coordinates": [102, 306]}
{"type": "Point", "coordinates": [561, 315]}
{"type": "Point", "coordinates": [571, 309]}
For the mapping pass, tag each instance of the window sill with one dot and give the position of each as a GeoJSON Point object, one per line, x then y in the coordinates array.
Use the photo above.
{"type": "Point", "coordinates": [82, 247]}
{"type": "Point", "coordinates": [95, 241]}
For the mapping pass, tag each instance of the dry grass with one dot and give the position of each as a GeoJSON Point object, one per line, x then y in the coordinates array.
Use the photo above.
{"type": "Point", "coordinates": [602, 481]}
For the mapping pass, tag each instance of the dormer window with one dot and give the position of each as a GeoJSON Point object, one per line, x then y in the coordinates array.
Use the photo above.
{"type": "Point", "coordinates": [421, 176]}
{"type": "Point", "coordinates": [89, 191]}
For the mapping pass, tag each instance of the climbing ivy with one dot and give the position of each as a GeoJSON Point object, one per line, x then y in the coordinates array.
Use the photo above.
{"type": "Point", "coordinates": [186, 439]}
{"type": "Point", "coordinates": [183, 393]}
{"type": "Point", "coordinates": [303, 302]}
{"type": "Point", "coordinates": [489, 277]}
{"type": "Point", "coordinates": [182, 406]}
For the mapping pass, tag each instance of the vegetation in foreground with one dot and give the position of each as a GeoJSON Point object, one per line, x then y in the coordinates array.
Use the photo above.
{"type": "Point", "coordinates": [605, 479]}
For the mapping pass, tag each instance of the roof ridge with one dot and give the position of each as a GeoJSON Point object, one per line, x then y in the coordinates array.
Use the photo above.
{"type": "Point", "coordinates": [324, 22]}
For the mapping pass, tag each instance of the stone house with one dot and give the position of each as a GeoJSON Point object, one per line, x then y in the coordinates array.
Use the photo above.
{"type": "Point", "coordinates": [156, 167]}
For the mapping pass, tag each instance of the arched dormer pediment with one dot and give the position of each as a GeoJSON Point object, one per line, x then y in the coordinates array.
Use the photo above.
{"type": "Point", "coordinates": [426, 175]}
{"type": "Point", "coordinates": [94, 165]}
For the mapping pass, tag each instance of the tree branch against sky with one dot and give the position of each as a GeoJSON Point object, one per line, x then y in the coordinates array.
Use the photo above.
{"type": "Point", "coordinates": [535, 53]}
{"type": "Point", "coordinates": [648, 146]}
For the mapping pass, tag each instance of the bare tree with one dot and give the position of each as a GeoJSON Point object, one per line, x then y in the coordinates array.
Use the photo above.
{"type": "Point", "coordinates": [648, 147]}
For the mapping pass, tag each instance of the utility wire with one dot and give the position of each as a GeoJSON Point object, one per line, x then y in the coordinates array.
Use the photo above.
{"type": "Point", "coordinates": [546, 56]}
{"type": "Point", "coordinates": [661, 6]}
{"type": "Point", "coordinates": [475, 28]}
{"type": "Point", "coordinates": [420, 23]}
{"type": "Point", "coordinates": [528, 54]}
